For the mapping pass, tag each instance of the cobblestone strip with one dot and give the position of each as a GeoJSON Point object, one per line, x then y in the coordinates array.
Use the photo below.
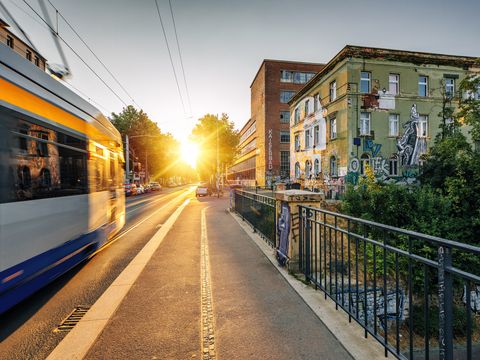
{"type": "Point", "coordinates": [208, 328]}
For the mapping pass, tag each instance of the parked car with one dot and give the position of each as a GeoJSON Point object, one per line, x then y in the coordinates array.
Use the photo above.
{"type": "Point", "coordinates": [171, 184]}
{"type": "Point", "coordinates": [203, 190]}
{"type": "Point", "coordinates": [155, 186]}
{"type": "Point", "coordinates": [128, 189]}
{"type": "Point", "coordinates": [134, 189]}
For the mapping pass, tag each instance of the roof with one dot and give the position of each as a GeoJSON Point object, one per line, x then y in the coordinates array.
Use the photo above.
{"type": "Point", "coordinates": [3, 23]}
{"type": "Point", "coordinates": [414, 57]}
{"type": "Point", "coordinates": [282, 61]}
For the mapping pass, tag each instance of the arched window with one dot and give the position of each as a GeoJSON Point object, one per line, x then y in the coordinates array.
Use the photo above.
{"type": "Point", "coordinates": [364, 161]}
{"type": "Point", "coordinates": [45, 178]}
{"type": "Point", "coordinates": [297, 170]}
{"type": "Point", "coordinates": [24, 178]}
{"type": "Point", "coordinates": [393, 165]}
{"type": "Point", "coordinates": [308, 169]}
{"type": "Point", "coordinates": [333, 166]}
{"type": "Point", "coordinates": [316, 167]}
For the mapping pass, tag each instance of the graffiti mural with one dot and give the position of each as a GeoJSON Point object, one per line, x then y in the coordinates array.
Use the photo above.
{"type": "Point", "coordinates": [410, 146]}
{"type": "Point", "coordinates": [284, 233]}
{"type": "Point", "coordinates": [474, 297]}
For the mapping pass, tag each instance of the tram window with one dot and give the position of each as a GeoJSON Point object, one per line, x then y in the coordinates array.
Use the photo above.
{"type": "Point", "coordinates": [36, 164]}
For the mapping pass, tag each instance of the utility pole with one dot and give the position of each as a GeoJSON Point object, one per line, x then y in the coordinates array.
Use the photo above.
{"type": "Point", "coordinates": [218, 174]}
{"type": "Point", "coordinates": [127, 165]}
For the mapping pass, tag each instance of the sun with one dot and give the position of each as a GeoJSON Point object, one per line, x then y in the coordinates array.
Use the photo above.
{"type": "Point", "coordinates": [190, 153]}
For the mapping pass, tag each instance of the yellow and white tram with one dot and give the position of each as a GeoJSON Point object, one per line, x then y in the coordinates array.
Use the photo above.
{"type": "Point", "coordinates": [61, 176]}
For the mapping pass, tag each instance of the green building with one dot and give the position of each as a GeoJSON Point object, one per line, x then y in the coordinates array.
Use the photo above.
{"type": "Point", "coordinates": [371, 106]}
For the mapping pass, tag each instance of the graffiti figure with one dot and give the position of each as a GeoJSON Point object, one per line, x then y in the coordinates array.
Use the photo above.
{"type": "Point", "coordinates": [284, 232]}
{"type": "Point", "coordinates": [407, 143]}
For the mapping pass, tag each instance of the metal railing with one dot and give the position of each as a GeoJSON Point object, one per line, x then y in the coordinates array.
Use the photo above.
{"type": "Point", "coordinates": [259, 211]}
{"type": "Point", "coordinates": [418, 295]}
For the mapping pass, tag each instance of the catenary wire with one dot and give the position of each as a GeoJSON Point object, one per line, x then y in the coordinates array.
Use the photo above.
{"type": "Point", "coordinates": [81, 59]}
{"type": "Point", "coordinates": [181, 59]}
{"type": "Point", "coordinates": [170, 55]}
{"type": "Point", "coordinates": [93, 53]}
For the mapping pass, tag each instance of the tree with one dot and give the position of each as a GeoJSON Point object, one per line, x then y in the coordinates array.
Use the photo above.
{"type": "Point", "coordinates": [205, 135]}
{"type": "Point", "coordinates": [149, 144]}
{"type": "Point", "coordinates": [470, 105]}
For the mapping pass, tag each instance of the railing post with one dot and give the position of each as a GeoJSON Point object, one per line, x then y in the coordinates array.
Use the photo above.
{"type": "Point", "coordinates": [445, 303]}
{"type": "Point", "coordinates": [307, 243]}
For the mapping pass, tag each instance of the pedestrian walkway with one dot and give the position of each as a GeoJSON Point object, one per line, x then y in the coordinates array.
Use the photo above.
{"type": "Point", "coordinates": [209, 292]}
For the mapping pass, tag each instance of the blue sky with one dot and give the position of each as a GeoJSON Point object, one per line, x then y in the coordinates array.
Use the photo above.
{"type": "Point", "coordinates": [224, 42]}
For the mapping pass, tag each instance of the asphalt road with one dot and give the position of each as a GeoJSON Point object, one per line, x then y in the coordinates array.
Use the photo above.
{"type": "Point", "coordinates": [27, 330]}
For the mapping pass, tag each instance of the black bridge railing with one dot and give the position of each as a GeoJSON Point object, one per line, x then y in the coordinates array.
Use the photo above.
{"type": "Point", "coordinates": [259, 211]}
{"type": "Point", "coordinates": [418, 295]}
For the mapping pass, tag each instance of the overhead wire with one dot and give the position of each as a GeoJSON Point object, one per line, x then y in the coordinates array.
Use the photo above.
{"type": "Point", "coordinates": [181, 59]}
{"type": "Point", "coordinates": [78, 55]}
{"type": "Point", "coordinates": [170, 55]}
{"type": "Point", "coordinates": [93, 53]}
{"type": "Point", "coordinates": [85, 96]}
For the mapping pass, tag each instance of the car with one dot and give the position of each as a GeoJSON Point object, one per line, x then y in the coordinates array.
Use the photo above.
{"type": "Point", "coordinates": [203, 190]}
{"type": "Point", "coordinates": [128, 189]}
{"type": "Point", "coordinates": [155, 186]}
{"type": "Point", "coordinates": [140, 189]}
{"type": "Point", "coordinates": [171, 184]}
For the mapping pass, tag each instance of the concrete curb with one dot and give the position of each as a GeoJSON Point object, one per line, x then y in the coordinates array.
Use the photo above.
{"type": "Point", "coordinates": [79, 340]}
{"type": "Point", "coordinates": [350, 335]}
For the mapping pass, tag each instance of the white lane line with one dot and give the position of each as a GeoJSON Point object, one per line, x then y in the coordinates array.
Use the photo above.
{"type": "Point", "coordinates": [122, 234]}
{"type": "Point", "coordinates": [80, 339]}
{"type": "Point", "coordinates": [146, 203]}
{"type": "Point", "coordinates": [208, 323]}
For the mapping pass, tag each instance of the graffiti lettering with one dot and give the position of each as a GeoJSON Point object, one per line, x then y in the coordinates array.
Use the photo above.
{"type": "Point", "coordinates": [369, 145]}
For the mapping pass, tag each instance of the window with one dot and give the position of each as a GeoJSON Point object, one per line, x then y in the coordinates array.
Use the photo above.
{"type": "Point", "coordinates": [307, 108]}
{"type": "Point", "coordinates": [29, 55]}
{"type": "Point", "coordinates": [286, 76]}
{"type": "Point", "coordinates": [297, 142]}
{"type": "Point", "coordinates": [43, 162]}
{"type": "Point", "coordinates": [307, 139]}
{"type": "Point", "coordinates": [308, 169]}
{"type": "Point", "coordinates": [333, 166]}
{"type": "Point", "coordinates": [284, 117]}
{"type": "Point", "coordinates": [297, 170]}
{"type": "Point", "coordinates": [365, 82]}
{"type": "Point", "coordinates": [333, 128]}
{"type": "Point", "coordinates": [297, 115]}
{"type": "Point", "coordinates": [393, 84]}
{"type": "Point", "coordinates": [393, 124]}
{"type": "Point", "coordinates": [393, 166]}
{"type": "Point", "coordinates": [315, 103]}
{"type": "Point", "coordinates": [10, 41]}
{"type": "Point", "coordinates": [333, 90]}
{"type": "Point", "coordinates": [422, 85]}
{"type": "Point", "coordinates": [284, 163]}
{"type": "Point", "coordinates": [316, 167]}
{"type": "Point", "coordinates": [449, 87]}
{"type": "Point", "coordinates": [247, 133]}
{"type": "Point", "coordinates": [37, 61]}
{"type": "Point", "coordinates": [364, 162]}
{"type": "Point", "coordinates": [423, 126]}
{"type": "Point", "coordinates": [316, 135]}
{"type": "Point", "coordinates": [364, 123]}
{"type": "Point", "coordinates": [286, 96]}
{"type": "Point", "coordinates": [284, 136]}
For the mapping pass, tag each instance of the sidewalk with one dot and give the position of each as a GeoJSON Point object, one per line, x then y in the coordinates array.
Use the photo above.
{"type": "Point", "coordinates": [255, 313]}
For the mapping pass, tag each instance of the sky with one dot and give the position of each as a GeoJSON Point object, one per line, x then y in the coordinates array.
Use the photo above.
{"type": "Point", "coordinates": [223, 43]}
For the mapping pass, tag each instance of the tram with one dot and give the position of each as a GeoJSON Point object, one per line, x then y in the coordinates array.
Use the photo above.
{"type": "Point", "coordinates": [61, 176]}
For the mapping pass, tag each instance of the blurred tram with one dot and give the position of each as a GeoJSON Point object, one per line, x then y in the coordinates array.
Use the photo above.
{"type": "Point", "coordinates": [61, 177]}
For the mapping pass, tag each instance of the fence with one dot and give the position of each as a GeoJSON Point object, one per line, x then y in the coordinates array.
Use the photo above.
{"type": "Point", "coordinates": [416, 294]}
{"type": "Point", "coordinates": [259, 211]}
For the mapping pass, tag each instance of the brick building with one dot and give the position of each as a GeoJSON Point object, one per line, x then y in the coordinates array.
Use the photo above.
{"type": "Point", "coordinates": [264, 149]}
{"type": "Point", "coordinates": [20, 47]}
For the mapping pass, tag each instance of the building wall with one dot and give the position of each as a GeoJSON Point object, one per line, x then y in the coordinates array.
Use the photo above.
{"type": "Point", "coordinates": [379, 146]}
{"type": "Point", "coordinates": [20, 47]}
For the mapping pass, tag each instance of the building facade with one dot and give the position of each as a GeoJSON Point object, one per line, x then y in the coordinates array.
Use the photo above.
{"type": "Point", "coordinates": [264, 149]}
{"type": "Point", "coordinates": [374, 108]}
{"type": "Point", "coordinates": [20, 47]}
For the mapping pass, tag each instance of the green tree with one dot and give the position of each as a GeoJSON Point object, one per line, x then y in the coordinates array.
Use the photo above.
{"type": "Point", "coordinates": [160, 151]}
{"type": "Point", "coordinates": [205, 135]}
